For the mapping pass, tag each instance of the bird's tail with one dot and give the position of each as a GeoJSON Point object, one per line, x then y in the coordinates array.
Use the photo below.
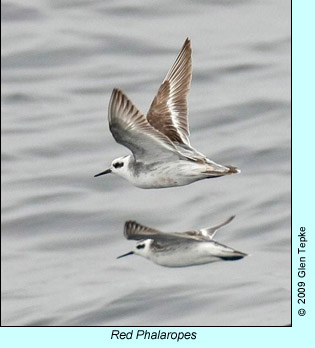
{"type": "Point", "coordinates": [232, 170]}
{"type": "Point", "coordinates": [235, 255]}
{"type": "Point", "coordinates": [215, 170]}
{"type": "Point", "coordinates": [226, 253]}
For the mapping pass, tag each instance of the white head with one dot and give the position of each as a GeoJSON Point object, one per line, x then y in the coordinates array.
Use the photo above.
{"type": "Point", "coordinates": [142, 248]}
{"type": "Point", "coordinates": [119, 166]}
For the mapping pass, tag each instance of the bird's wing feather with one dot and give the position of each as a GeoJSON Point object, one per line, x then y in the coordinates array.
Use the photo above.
{"type": "Point", "coordinates": [209, 232]}
{"type": "Point", "coordinates": [131, 129]}
{"type": "Point", "coordinates": [136, 231]}
{"type": "Point", "coordinates": [168, 111]}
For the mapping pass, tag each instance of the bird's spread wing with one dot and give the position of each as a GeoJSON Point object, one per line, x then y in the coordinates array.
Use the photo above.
{"type": "Point", "coordinates": [168, 111]}
{"type": "Point", "coordinates": [131, 129]}
{"type": "Point", "coordinates": [209, 232]}
{"type": "Point", "coordinates": [135, 231]}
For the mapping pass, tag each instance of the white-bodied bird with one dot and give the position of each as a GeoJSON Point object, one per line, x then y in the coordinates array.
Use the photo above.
{"type": "Point", "coordinates": [161, 152]}
{"type": "Point", "coordinates": [179, 249]}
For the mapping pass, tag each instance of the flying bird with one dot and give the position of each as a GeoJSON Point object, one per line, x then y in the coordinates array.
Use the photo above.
{"type": "Point", "coordinates": [175, 249]}
{"type": "Point", "coordinates": [162, 155]}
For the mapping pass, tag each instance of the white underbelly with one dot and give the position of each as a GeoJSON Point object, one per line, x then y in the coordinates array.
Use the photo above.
{"type": "Point", "coordinates": [195, 255]}
{"type": "Point", "coordinates": [169, 176]}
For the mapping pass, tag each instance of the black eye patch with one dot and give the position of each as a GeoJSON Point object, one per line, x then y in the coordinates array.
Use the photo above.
{"type": "Point", "coordinates": [140, 246]}
{"type": "Point", "coordinates": [118, 164]}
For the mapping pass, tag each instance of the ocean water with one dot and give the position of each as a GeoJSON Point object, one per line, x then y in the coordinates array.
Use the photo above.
{"type": "Point", "coordinates": [62, 229]}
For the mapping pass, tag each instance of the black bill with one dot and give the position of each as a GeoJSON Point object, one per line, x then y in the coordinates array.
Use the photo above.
{"type": "Point", "coordinates": [130, 253]}
{"type": "Point", "coordinates": [107, 171]}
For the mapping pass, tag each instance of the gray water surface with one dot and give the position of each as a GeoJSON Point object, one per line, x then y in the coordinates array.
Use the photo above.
{"type": "Point", "coordinates": [62, 229]}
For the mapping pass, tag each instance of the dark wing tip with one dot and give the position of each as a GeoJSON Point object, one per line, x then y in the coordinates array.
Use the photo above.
{"type": "Point", "coordinates": [231, 218]}
{"type": "Point", "coordinates": [129, 228]}
{"type": "Point", "coordinates": [115, 92]}
{"type": "Point", "coordinates": [120, 106]}
{"type": "Point", "coordinates": [113, 97]}
{"type": "Point", "coordinates": [132, 230]}
{"type": "Point", "coordinates": [186, 49]}
{"type": "Point", "coordinates": [187, 41]}
{"type": "Point", "coordinates": [226, 222]}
